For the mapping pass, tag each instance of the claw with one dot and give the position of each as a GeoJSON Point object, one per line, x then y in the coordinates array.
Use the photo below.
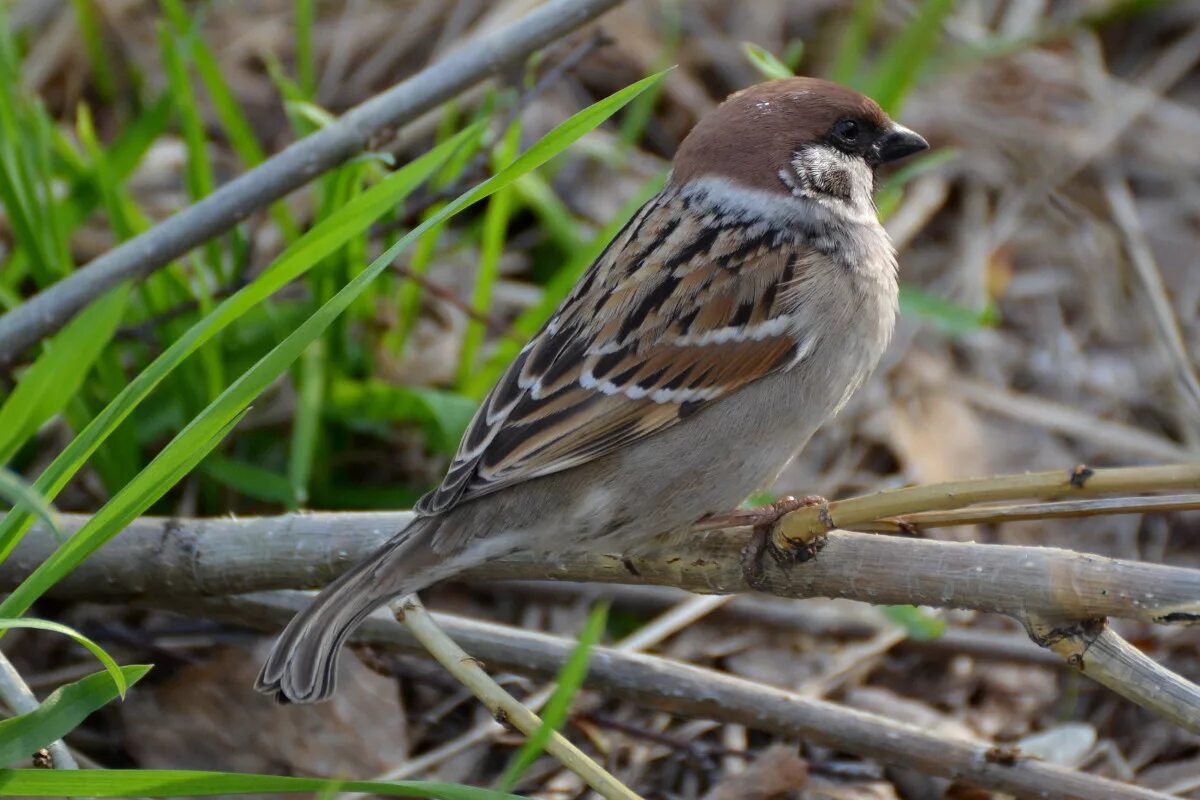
{"type": "Point", "coordinates": [765, 520]}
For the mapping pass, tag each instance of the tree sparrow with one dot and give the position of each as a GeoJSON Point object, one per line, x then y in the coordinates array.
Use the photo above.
{"type": "Point", "coordinates": [735, 313]}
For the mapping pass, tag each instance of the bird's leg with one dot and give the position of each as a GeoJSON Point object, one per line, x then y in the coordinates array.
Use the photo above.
{"type": "Point", "coordinates": [753, 517]}
{"type": "Point", "coordinates": [764, 521]}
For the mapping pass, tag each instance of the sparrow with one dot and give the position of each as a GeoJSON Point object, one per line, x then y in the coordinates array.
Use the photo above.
{"type": "Point", "coordinates": [735, 313]}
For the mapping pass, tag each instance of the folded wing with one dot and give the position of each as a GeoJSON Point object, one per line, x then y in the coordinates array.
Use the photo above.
{"type": "Point", "coordinates": [681, 310]}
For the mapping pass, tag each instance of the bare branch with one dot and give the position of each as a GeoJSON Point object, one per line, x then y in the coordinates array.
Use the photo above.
{"type": "Point", "coordinates": [503, 705]}
{"type": "Point", "coordinates": [1120, 200]}
{"type": "Point", "coordinates": [20, 699]}
{"type": "Point", "coordinates": [1070, 421]}
{"type": "Point", "coordinates": [48, 311]}
{"type": "Point", "coordinates": [156, 556]}
{"type": "Point", "coordinates": [1098, 652]}
{"type": "Point", "coordinates": [160, 558]}
{"type": "Point", "coordinates": [1030, 584]}
{"type": "Point", "coordinates": [815, 617]}
{"type": "Point", "coordinates": [805, 523]}
{"type": "Point", "coordinates": [694, 691]}
{"type": "Point", "coordinates": [992, 515]}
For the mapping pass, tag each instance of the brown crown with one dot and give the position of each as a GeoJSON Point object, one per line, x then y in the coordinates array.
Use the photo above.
{"type": "Point", "coordinates": [752, 135]}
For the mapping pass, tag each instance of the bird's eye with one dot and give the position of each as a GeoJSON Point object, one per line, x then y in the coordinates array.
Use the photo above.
{"type": "Point", "coordinates": [846, 130]}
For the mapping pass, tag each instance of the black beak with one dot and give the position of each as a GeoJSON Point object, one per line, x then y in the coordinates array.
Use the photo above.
{"type": "Point", "coordinates": [898, 143]}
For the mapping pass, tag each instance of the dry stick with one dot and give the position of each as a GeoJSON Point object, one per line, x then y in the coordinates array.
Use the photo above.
{"type": "Point", "coordinates": [20, 699]}
{"type": "Point", "coordinates": [995, 515]}
{"type": "Point", "coordinates": [504, 706]}
{"type": "Point", "coordinates": [805, 523]}
{"type": "Point", "coordinates": [662, 627]}
{"type": "Point", "coordinates": [814, 617]}
{"type": "Point", "coordinates": [695, 691]}
{"type": "Point", "coordinates": [1169, 67]}
{"type": "Point", "coordinates": [1023, 582]}
{"type": "Point", "coordinates": [1098, 652]}
{"type": "Point", "coordinates": [48, 311]}
{"type": "Point", "coordinates": [156, 557]}
{"type": "Point", "coordinates": [494, 325]}
{"type": "Point", "coordinates": [1120, 200]}
{"type": "Point", "coordinates": [650, 634]}
{"type": "Point", "coordinates": [1109, 658]}
{"type": "Point", "coordinates": [1039, 411]}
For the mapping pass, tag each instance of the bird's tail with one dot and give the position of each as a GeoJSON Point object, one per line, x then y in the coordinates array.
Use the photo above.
{"type": "Point", "coordinates": [302, 666]}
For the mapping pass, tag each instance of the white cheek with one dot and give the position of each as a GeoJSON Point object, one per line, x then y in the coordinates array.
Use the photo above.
{"type": "Point", "coordinates": [813, 162]}
{"type": "Point", "coordinates": [819, 166]}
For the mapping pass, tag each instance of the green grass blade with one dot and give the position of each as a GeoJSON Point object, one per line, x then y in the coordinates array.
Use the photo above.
{"type": "Point", "coordinates": [168, 468]}
{"type": "Point", "coordinates": [408, 301]}
{"type": "Point", "coordinates": [491, 249]}
{"type": "Point", "coordinates": [443, 415]}
{"type": "Point", "coordinates": [210, 426]}
{"type": "Point", "coordinates": [641, 111]}
{"type": "Point", "coordinates": [110, 666]}
{"type": "Point", "coordinates": [241, 135]}
{"type": "Point", "coordinates": [306, 67]}
{"type": "Point", "coordinates": [233, 119]}
{"type": "Point", "coordinates": [191, 783]}
{"type": "Point", "coordinates": [947, 315]}
{"type": "Point", "coordinates": [26, 140]}
{"type": "Point", "coordinates": [532, 319]}
{"type": "Point", "coordinates": [123, 217]}
{"type": "Point", "coordinates": [560, 224]}
{"type": "Point", "coordinates": [250, 480]}
{"type": "Point", "coordinates": [918, 624]}
{"type": "Point", "coordinates": [48, 385]}
{"type": "Point", "coordinates": [793, 54]}
{"type": "Point", "coordinates": [200, 181]}
{"type": "Point", "coordinates": [316, 244]}
{"type": "Point", "coordinates": [896, 72]}
{"type": "Point", "coordinates": [570, 679]}
{"type": "Point", "coordinates": [851, 53]}
{"type": "Point", "coordinates": [306, 425]}
{"type": "Point", "coordinates": [57, 716]}
{"type": "Point", "coordinates": [93, 43]}
{"type": "Point", "coordinates": [765, 61]}
{"type": "Point", "coordinates": [891, 190]}
{"type": "Point", "coordinates": [17, 493]}
{"type": "Point", "coordinates": [199, 176]}
{"type": "Point", "coordinates": [120, 159]}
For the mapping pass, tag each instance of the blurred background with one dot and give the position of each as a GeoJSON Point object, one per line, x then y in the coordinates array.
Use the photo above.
{"type": "Point", "coordinates": [1048, 249]}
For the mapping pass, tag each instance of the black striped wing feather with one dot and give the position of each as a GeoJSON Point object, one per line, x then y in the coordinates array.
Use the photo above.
{"type": "Point", "coordinates": [678, 312]}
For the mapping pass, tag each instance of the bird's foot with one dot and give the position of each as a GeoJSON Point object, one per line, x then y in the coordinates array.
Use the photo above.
{"type": "Point", "coordinates": [765, 521]}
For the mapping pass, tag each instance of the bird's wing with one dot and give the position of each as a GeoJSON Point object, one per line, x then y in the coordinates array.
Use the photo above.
{"type": "Point", "coordinates": [682, 309]}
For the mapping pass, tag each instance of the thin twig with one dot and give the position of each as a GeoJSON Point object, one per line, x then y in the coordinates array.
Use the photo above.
{"type": "Point", "coordinates": [494, 326]}
{"type": "Point", "coordinates": [995, 515]}
{"type": "Point", "coordinates": [478, 169]}
{"type": "Point", "coordinates": [1112, 436]}
{"type": "Point", "coordinates": [21, 700]}
{"type": "Point", "coordinates": [144, 330]}
{"type": "Point", "coordinates": [695, 691]}
{"type": "Point", "coordinates": [805, 523]}
{"type": "Point", "coordinates": [815, 617]}
{"type": "Point", "coordinates": [504, 706]}
{"type": "Point", "coordinates": [1101, 654]}
{"type": "Point", "coordinates": [656, 630]}
{"type": "Point", "coordinates": [354, 131]}
{"type": "Point", "coordinates": [1120, 200]}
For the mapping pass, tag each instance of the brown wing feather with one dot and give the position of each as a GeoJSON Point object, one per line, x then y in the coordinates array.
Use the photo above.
{"type": "Point", "coordinates": [678, 312]}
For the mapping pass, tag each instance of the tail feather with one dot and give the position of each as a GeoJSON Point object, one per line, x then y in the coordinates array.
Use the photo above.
{"type": "Point", "coordinates": [302, 666]}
